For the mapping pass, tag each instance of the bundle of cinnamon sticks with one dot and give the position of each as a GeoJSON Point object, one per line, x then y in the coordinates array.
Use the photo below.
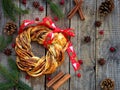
{"type": "Point", "coordinates": [58, 80]}
{"type": "Point", "coordinates": [75, 9]}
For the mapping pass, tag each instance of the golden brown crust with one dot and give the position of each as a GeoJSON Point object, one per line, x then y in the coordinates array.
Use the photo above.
{"type": "Point", "coordinates": [37, 66]}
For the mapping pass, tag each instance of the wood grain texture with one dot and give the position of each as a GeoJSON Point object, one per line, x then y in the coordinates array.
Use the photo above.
{"type": "Point", "coordinates": [110, 25]}
{"type": "Point", "coordinates": [88, 52]}
{"type": "Point", "coordinates": [85, 51]}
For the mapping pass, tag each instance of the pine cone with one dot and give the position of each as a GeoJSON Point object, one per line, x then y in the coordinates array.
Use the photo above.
{"type": "Point", "coordinates": [106, 7]}
{"type": "Point", "coordinates": [107, 84]}
{"type": "Point", "coordinates": [10, 28]}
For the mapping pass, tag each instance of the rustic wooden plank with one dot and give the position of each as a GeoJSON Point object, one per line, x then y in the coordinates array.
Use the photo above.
{"type": "Point", "coordinates": [3, 21]}
{"type": "Point", "coordinates": [38, 50]}
{"type": "Point", "coordinates": [111, 37]}
{"type": "Point", "coordinates": [85, 51]}
{"type": "Point", "coordinates": [63, 24]}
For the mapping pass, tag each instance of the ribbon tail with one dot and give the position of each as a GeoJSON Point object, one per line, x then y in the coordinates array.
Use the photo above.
{"type": "Point", "coordinates": [73, 56]}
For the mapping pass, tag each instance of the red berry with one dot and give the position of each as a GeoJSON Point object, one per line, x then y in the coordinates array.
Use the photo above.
{"type": "Point", "coordinates": [62, 2]}
{"type": "Point", "coordinates": [112, 49]}
{"type": "Point", "coordinates": [78, 75]}
{"type": "Point", "coordinates": [80, 61]}
{"type": "Point", "coordinates": [24, 2]}
{"type": "Point", "coordinates": [49, 78]}
{"type": "Point", "coordinates": [13, 45]}
{"type": "Point", "coordinates": [41, 8]}
{"type": "Point", "coordinates": [56, 18]}
{"type": "Point", "coordinates": [37, 19]}
{"type": "Point", "coordinates": [27, 77]}
{"type": "Point", "coordinates": [101, 32]}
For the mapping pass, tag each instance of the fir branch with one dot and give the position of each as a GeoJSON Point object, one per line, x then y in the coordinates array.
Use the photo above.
{"type": "Point", "coordinates": [12, 78]}
{"type": "Point", "coordinates": [4, 72]}
{"type": "Point", "coordinates": [9, 39]}
{"type": "Point", "coordinates": [23, 86]}
{"type": "Point", "coordinates": [12, 64]}
{"type": "Point", "coordinates": [14, 68]}
{"type": "Point", "coordinates": [20, 10]}
{"type": "Point", "coordinates": [3, 45]}
{"type": "Point", "coordinates": [56, 9]}
{"type": "Point", "coordinates": [1, 39]}
{"type": "Point", "coordinates": [10, 9]}
{"type": "Point", "coordinates": [6, 85]}
{"type": "Point", "coordinates": [4, 42]}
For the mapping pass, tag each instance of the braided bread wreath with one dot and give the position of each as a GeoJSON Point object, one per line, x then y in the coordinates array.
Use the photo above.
{"type": "Point", "coordinates": [56, 46]}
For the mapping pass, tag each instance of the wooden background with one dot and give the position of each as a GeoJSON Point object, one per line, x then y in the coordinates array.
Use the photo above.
{"type": "Point", "coordinates": [89, 53]}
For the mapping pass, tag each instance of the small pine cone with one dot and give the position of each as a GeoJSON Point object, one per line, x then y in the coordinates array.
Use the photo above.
{"type": "Point", "coordinates": [10, 28]}
{"type": "Point", "coordinates": [106, 7]}
{"type": "Point", "coordinates": [107, 84]}
{"type": "Point", "coordinates": [7, 51]}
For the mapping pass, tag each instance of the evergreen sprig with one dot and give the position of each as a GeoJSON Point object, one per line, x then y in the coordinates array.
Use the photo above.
{"type": "Point", "coordinates": [6, 85]}
{"type": "Point", "coordinates": [56, 9]}
{"type": "Point", "coordinates": [5, 41]}
{"type": "Point", "coordinates": [12, 77]}
{"type": "Point", "coordinates": [10, 9]}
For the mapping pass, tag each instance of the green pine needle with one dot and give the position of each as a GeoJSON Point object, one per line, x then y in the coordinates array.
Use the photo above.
{"type": "Point", "coordinates": [6, 85]}
{"type": "Point", "coordinates": [14, 68]}
{"type": "Point", "coordinates": [1, 39]}
{"type": "Point", "coordinates": [20, 10]}
{"type": "Point", "coordinates": [56, 9]}
{"type": "Point", "coordinates": [9, 39]}
{"type": "Point", "coordinates": [3, 45]}
{"type": "Point", "coordinates": [4, 72]}
{"type": "Point", "coordinates": [23, 86]}
{"type": "Point", "coordinates": [4, 42]}
{"type": "Point", "coordinates": [12, 64]}
{"type": "Point", "coordinates": [12, 77]}
{"type": "Point", "coordinates": [10, 9]}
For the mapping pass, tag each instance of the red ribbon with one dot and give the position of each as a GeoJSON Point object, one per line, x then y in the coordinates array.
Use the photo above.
{"type": "Point", "coordinates": [73, 57]}
{"type": "Point", "coordinates": [24, 24]}
{"type": "Point", "coordinates": [48, 22]}
{"type": "Point", "coordinates": [49, 38]}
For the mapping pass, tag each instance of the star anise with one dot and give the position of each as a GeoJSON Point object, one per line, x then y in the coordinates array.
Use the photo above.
{"type": "Point", "coordinates": [87, 39]}
{"type": "Point", "coordinates": [7, 51]}
{"type": "Point", "coordinates": [98, 23]}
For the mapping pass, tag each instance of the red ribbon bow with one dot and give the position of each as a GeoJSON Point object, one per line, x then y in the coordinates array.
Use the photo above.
{"type": "Point", "coordinates": [49, 38]}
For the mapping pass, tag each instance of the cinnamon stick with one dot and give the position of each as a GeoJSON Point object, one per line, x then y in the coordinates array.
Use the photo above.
{"type": "Point", "coordinates": [80, 11]}
{"type": "Point", "coordinates": [73, 11]}
{"type": "Point", "coordinates": [61, 81]}
{"type": "Point", "coordinates": [52, 81]}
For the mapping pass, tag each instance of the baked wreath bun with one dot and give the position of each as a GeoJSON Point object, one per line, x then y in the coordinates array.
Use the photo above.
{"type": "Point", "coordinates": [55, 42]}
